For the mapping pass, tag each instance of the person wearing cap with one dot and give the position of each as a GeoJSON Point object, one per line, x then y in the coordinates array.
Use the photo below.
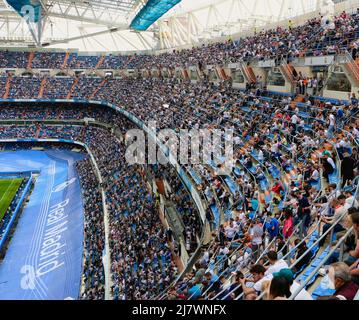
{"type": "Point", "coordinates": [294, 285]}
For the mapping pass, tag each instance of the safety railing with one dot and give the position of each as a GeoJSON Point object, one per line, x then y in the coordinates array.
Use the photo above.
{"type": "Point", "coordinates": [315, 271]}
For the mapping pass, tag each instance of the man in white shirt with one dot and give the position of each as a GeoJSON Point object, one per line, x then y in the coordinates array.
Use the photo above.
{"type": "Point", "coordinates": [315, 175]}
{"type": "Point", "coordinates": [260, 156]}
{"type": "Point", "coordinates": [275, 264]}
{"type": "Point", "coordinates": [331, 125]}
{"type": "Point", "coordinates": [223, 251]}
{"type": "Point", "coordinates": [258, 278]}
{"type": "Point", "coordinates": [331, 161]}
{"type": "Point", "coordinates": [230, 231]}
{"type": "Point", "coordinates": [274, 149]}
{"type": "Point", "coordinates": [294, 119]}
{"type": "Point", "coordinates": [339, 218]}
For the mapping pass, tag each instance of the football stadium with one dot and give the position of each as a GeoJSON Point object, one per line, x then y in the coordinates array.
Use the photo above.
{"type": "Point", "coordinates": [184, 150]}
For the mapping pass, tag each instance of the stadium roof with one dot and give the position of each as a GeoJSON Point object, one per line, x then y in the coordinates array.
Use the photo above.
{"type": "Point", "coordinates": [132, 25]}
{"type": "Point", "coordinates": [151, 12]}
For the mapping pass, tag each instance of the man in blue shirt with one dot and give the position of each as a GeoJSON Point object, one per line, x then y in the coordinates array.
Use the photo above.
{"type": "Point", "coordinates": [194, 291]}
{"type": "Point", "coordinates": [272, 226]}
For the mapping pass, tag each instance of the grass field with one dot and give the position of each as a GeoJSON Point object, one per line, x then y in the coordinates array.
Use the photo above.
{"type": "Point", "coordinates": [8, 188]}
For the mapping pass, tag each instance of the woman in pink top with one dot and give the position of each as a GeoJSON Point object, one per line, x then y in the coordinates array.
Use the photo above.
{"type": "Point", "coordinates": [288, 225]}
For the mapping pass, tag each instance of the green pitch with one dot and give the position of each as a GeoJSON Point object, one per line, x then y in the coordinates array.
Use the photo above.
{"type": "Point", "coordinates": [8, 189]}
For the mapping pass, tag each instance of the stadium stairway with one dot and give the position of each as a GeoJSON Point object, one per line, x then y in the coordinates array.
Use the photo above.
{"type": "Point", "coordinates": [100, 62]}
{"type": "Point", "coordinates": [38, 130]}
{"type": "Point", "coordinates": [200, 72]}
{"type": "Point", "coordinates": [353, 68]}
{"type": "Point", "coordinates": [98, 89]}
{"type": "Point", "coordinates": [287, 70]}
{"type": "Point", "coordinates": [125, 66]}
{"type": "Point", "coordinates": [76, 81]}
{"type": "Point", "coordinates": [64, 64]}
{"type": "Point", "coordinates": [31, 58]}
{"type": "Point", "coordinates": [248, 73]}
{"type": "Point", "coordinates": [42, 88]}
{"type": "Point", "coordinates": [214, 208]}
{"type": "Point", "coordinates": [7, 86]}
{"type": "Point", "coordinates": [251, 73]}
{"type": "Point", "coordinates": [177, 259]}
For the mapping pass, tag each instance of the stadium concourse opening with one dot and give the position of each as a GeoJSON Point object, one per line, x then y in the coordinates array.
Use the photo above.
{"type": "Point", "coordinates": [179, 150]}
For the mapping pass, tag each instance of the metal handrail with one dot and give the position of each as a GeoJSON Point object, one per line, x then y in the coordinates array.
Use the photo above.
{"type": "Point", "coordinates": [290, 252]}
{"type": "Point", "coordinates": [257, 261]}
{"type": "Point", "coordinates": [329, 254]}
{"type": "Point", "coordinates": [315, 271]}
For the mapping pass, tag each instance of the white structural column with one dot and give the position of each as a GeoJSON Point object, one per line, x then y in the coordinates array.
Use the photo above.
{"type": "Point", "coordinates": [107, 256]}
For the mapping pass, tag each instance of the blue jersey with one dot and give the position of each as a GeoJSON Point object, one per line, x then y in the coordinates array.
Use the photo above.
{"type": "Point", "coordinates": [273, 227]}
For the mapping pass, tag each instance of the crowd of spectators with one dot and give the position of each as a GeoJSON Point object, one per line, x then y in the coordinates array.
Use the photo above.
{"type": "Point", "coordinates": [48, 60]}
{"type": "Point", "coordinates": [12, 59]}
{"type": "Point", "coordinates": [94, 237]}
{"type": "Point", "coordinates": [273, 120]}
{"type": "Point", "coordinates": [85, 87]}
{"type": "Point", "coordinates": [76, 61]}
{"type": "Point", "coordinates": [142, 264]}
{"type": "Point", "coordinates": [313, 38]}
{"type": "Point", "coordinates": [294, 168]}
{"type": "Point", "coordinates": [318, 36]}
{"type": "Point", "coordinates": [19, 87]}
{"type": "Point", "coordinates": [58, 88]}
